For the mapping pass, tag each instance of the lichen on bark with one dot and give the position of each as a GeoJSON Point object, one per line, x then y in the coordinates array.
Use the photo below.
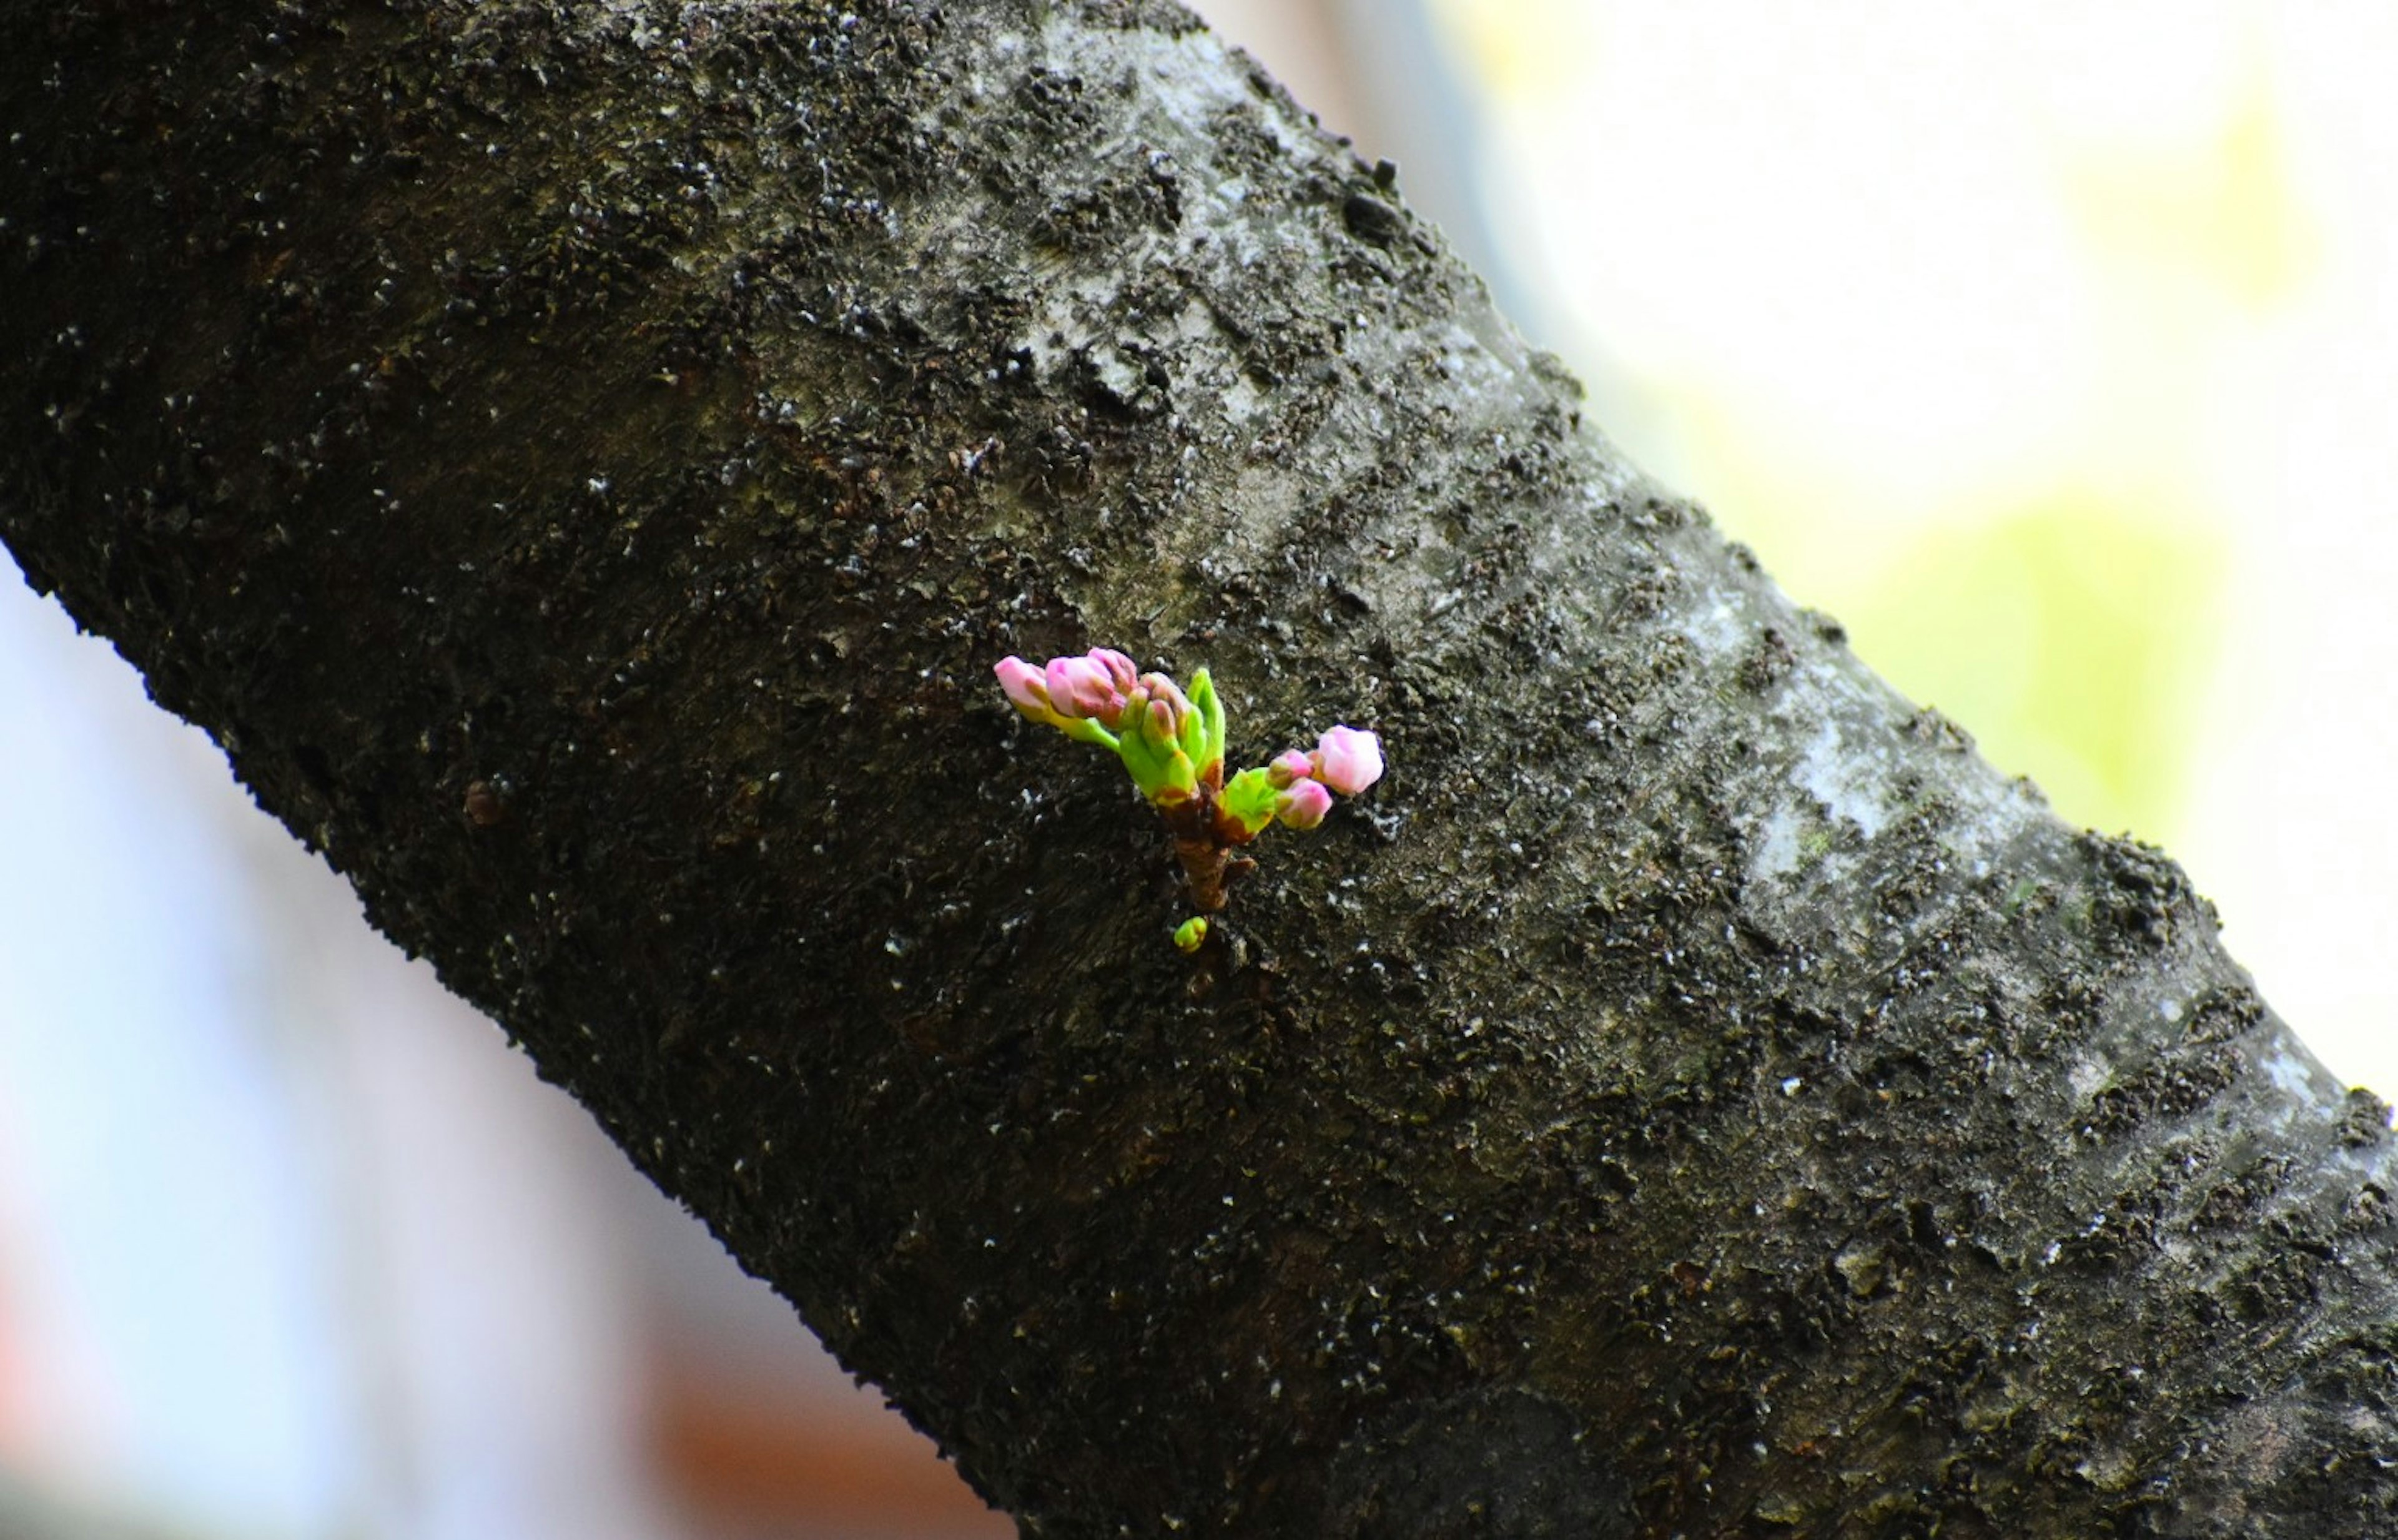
{"type": "Point", "coordinates": [581, 463]}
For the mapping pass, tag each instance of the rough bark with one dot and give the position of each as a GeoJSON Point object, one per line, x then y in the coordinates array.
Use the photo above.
{"type": "Point", "coordinates": [582, 464]}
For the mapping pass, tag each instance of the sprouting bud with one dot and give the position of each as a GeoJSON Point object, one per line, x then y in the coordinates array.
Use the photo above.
{"type": "Point", "coordinates": [1084, 687]}
{"type": "Point", "coordinates": [1303, 805]}
{"type": "Point", "coordinates": [1191, 932]}
{"type": "Point", "coordinates": [1173, 746]}
{"type": "Point", "coordinates": [1347, 760]}
{"type": "Point", "coordinates": [1289, 765]}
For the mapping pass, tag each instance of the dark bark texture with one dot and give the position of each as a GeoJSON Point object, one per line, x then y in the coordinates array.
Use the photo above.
{"type": "Point", "coordinates": [582, 462]}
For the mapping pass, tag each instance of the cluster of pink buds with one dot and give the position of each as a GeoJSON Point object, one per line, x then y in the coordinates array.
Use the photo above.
{"type": "Point", "coordinates": [1173, 744]}
{"type": "Point", "coordinates": [1344, 760]}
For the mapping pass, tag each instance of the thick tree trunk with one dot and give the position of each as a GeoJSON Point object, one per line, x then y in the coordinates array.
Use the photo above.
{"type": "Point", "coordinates": [581, 463]}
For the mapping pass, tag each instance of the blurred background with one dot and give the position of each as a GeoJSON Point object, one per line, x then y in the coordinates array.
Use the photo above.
{"type": "Point", "coordinates": [2052, 348]}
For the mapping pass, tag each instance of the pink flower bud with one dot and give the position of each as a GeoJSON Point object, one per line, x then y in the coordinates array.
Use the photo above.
{"type": "Point", "coordinates": [1165, 692]}
{"type": "Point", "coordinates": [1025, 688]}
{"type": "Point", "coordinates": [1347, 760]}
{"type": "Point", "coordinates": [1304, 805]}
{"type": "Point", "coordinates": [1079, 687]}
{"type": "Point", "coordinates": [1289, 765]}
{"type": "Point", "coordinates": [1121, 673]}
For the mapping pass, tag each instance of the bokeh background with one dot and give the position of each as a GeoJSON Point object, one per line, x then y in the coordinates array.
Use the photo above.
{"type": "Point", "coordinates": [2053, 348]}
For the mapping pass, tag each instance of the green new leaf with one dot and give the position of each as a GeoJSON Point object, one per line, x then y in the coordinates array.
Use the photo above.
{"type": "Point", "coordinates": [1249, 798]}
{"type": "Point", "coordinates": [1211, 719]}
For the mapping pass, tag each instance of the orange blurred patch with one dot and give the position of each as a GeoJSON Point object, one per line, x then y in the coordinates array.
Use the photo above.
{"type": "Point", "coordinates": [746, 1456]}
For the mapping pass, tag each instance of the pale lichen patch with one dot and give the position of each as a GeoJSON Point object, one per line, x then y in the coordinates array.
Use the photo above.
{"type": "Point", "coordinates": [1776, 848]}
{"type": "Point", "coordinates": [1849, 785]}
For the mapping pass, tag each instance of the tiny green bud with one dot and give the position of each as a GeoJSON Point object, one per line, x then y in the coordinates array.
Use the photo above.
{"type": "Point", "coordinates": [1191, 932]}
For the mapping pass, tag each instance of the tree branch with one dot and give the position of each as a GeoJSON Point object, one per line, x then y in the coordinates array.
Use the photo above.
{"type": "Point", "coordinates": [581, 463]}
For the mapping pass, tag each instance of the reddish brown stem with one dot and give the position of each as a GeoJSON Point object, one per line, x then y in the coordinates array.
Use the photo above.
{"type": "Point", "coordinates": [1203, 865]}
{"type": "Point", "coordinates": [1204, 841]}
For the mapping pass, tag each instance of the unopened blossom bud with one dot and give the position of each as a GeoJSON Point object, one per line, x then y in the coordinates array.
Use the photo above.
{"type": "Point", "coordinates": [1164, 692]}
{"type": "Point", "coordinates": [1026, 689]}
{"type": "Point", "coordinates": [1191, 933]}
{"type": "Point", "coordinates": [1120, 671]}
{"type": "Point", "coordinates": [1289, 765]}
{"type": "Point", "coordinates": [1347, 760]}
{"type": "Point", "coordinates": [1303, 805]}
{"type": "Point", "coordinates": [1152, 747]}
{"type": "Point", "coordinates": [1080, 687]}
